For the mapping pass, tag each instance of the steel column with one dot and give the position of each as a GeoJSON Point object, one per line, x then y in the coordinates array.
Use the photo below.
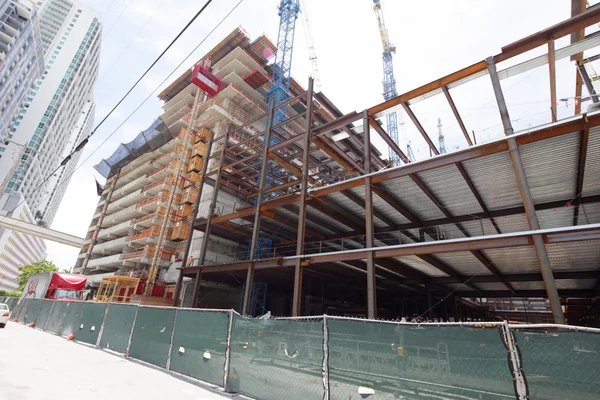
{"type": "Point", "coordinates": [538, 240]}
{"type": "Point", "coordinates": [99, 224]}
{"type": "Point", "coordinates": [508, 129]}
{"type": "Point", "coordinates": [211, 210]}
{"type": "Point", "coordinates": [515, 155]}
{"type": "Point", "coordinates": [369, 224]}
{"type": "Point", "coordinates": [259, 198]}
{"type": "Point", "coordinates": [552, 70]}
{"type": "Point", "coordinates": [188, 244]}
{"type": "Point", "coordinates": [583, 149]}
{"type": "Point", "coordinates": [297, 299]}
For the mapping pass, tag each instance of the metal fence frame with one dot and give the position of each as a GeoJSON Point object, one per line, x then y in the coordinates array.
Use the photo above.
{"type": "Point", "coordinates": [514, 357]}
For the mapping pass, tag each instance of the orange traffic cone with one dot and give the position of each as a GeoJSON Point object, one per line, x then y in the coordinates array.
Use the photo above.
{"type": "Point", "coordinates": [32, 324]}
{"type": "Point", "coordinates": [71, 337]}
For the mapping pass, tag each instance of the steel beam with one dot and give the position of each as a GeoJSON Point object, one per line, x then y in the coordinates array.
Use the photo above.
{"type": "Point", "coordinates": [540, 248]}
{"type": "Point", "coordinates": [297, 294]}
{"type": "Point", "coordinates": [420, 128]}
{"type": "Point", "coordinates": [457, 115]}
{"type": "Point", "coordinates": [552, 74]}
{"type": "Point", "coordinates": [515, 155]}
{"type": "Point", "coordinates": [583, 149]}
{"type": "Point", "coordinates": [259, 199]}
{"type": "Point", "coordinates": [506, 123]}
{"type": "Point", "coordinates": [388, 140]}
{"type": "Point", "coordinates": [475, 192]}
{"type": "Point", "coordinates": [209, 221]}
{"type": "Point", "coordinates": [369, 222]}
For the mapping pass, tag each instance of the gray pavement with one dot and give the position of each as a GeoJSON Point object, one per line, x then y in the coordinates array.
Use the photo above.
{"type": "Point", "coordinates": [38, 365]}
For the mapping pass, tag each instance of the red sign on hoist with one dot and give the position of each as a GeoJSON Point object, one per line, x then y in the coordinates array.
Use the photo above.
{"type": "Point", "coordinates": [206, 80]}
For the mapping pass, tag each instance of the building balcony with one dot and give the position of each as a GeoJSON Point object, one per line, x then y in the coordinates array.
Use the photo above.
{"type": "Point", "coordinates": [127, 201]}
{"type": "Point", "coordinates": [114, 230]}
{"type": "Point", "coordinates": [134, 174]}
{"type": "Point", "coordinates": [111, 247]}
{"type": "Point", "coordinates": [140, 182]}
{"type": "Point", "coordinates": [113, 261]}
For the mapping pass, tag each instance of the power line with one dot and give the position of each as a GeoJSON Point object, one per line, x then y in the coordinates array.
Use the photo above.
{"type": "Point", "coordinates": [79, 147]}
{"type": "Point", "coordinates": [82, 144]}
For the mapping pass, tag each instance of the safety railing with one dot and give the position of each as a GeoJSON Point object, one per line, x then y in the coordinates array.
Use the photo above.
{"type": "Point", "coordinates": [326, 357]}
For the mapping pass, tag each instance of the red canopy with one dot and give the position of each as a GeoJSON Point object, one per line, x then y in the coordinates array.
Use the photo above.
{"type": "Point", "coordinates": [68, 281]}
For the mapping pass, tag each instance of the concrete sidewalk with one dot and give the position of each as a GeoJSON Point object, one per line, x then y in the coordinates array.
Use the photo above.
{"type": "Point", "coordinates": [38, 365]}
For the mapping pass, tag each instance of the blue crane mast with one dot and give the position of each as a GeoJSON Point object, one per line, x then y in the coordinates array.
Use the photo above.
{"type": "Point", "coordinates": [389, 81]}
{"type": "Point", "coordinates": [288, 11]}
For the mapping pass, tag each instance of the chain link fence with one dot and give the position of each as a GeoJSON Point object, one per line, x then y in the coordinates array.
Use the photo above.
{"type": "Point", "coordinates": [336, 357]}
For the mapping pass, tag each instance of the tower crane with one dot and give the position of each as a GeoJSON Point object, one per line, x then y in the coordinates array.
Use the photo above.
{"type": "Point", "coordinates": [389, 81]}
{"type": "Point", "coordinates": [442, 143]}
{"type": "Point", "coordinates": [312, 53]}
{"type": "Point", "coordinates": [288, 13]}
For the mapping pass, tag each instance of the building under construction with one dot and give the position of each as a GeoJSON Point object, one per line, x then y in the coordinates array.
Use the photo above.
{"type": "Point", "coordinates": [304, 216]}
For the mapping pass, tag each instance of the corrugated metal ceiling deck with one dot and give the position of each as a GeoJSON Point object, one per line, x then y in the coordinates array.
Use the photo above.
{"type": "Point", "coordinates": [591, 179]}
{"type": "Point", "coordinates": [451, 190]}
{"type": "Point", "coordinates": [494, 178]}
{"type": "Point", "coordinates": [551, 167]}
{"type": "Point", "coordinates": [412, 197]}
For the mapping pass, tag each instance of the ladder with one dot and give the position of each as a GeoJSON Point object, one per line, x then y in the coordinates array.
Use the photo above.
{"type": "Point", "coordinates": [182, 161]}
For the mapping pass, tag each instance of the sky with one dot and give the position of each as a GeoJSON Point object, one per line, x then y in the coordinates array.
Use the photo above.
{"type": "Point", "coordinates": [433, 39]}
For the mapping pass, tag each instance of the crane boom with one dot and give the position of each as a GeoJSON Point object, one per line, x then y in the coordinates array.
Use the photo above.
{"type": "Point", "coordinates": [389, 81]}
{"type": "Point", "coordinates": [312, 53]}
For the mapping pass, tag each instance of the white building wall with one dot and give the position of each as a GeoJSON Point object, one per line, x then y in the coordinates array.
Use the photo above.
{"type": "Point", "coordinates": [21, 60]}
{"type": "Point", "coordinates": [49, 127]}
{"type": "Point", "coordinates": [17, 249]}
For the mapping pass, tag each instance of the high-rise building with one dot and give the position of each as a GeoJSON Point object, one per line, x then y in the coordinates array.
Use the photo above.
{"type": "Point", "coordinates": [21, 61]}
{"type": "Point", "coordinates": [59, 110]}
{"type": "Point", "coordinates": [54, 116]}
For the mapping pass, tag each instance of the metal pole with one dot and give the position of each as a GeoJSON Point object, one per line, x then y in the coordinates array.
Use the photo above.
{"type": "Point", "coordinates": [508, 129]}
{"type": "Point", "coordinates": [99, 225]}
{"type": "Point", "coordinates": [296, 303]}
{"type": "Point", "coordinates": [525, 192]}
{"type": "Point", "coordinates": [369, 224]}
{"type": "Point", "coordinates": [188, 244]}
{"type": "Point", "coordinates": [211, 211]}
{"type": "Point", "coordinates": [259, 198]}
{"type": "Point", "coordinates": [552, 70]}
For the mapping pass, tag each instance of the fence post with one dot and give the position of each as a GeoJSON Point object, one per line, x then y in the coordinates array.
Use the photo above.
{"type": "Point", "coordinates": [325, 359]}
{"type": "Point", "coordinates": [168, 366]}
{"type": "Point", "coordinates": [102, 326]}
{"type": "Point", "coordinates": [228, 352]}
{"type": "Point", "coordinates": [137, 308]}
{"type": "Point", "coordinates": [62, 321]}
{"type": "Point", "coordinates": [49, 314]}
{"type": "Point", "coordinates": [521, 390]}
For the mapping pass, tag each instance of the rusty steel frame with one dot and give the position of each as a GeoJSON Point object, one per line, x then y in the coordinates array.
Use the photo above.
{"type": "Point", "coordinates": [370, 179]}
{"type": "Point", "coordinates": [211, 211]}
{"type": "Point", "coordinates": [301, 234]}
{"type": "Point", "coordinates": [257, 214]}
{"type": "Point", "coordinates": [525, 192]}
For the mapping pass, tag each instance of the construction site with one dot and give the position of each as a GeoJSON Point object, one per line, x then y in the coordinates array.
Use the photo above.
{"type": "Point", "coordinates": [254, 192]}
{"type": "Point", "coordinates": [257, 239]}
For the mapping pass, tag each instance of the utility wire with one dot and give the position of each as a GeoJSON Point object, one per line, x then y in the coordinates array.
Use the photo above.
{"type": "Point", "coordinates": [82, 144]}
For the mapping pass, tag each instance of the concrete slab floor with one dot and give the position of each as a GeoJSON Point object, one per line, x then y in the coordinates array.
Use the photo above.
{"type": "Point", "coordinates": [38, 365]}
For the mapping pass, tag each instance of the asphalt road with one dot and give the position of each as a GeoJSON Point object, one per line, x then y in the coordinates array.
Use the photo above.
{"type": "Point", "coordinates": [38, 365]}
